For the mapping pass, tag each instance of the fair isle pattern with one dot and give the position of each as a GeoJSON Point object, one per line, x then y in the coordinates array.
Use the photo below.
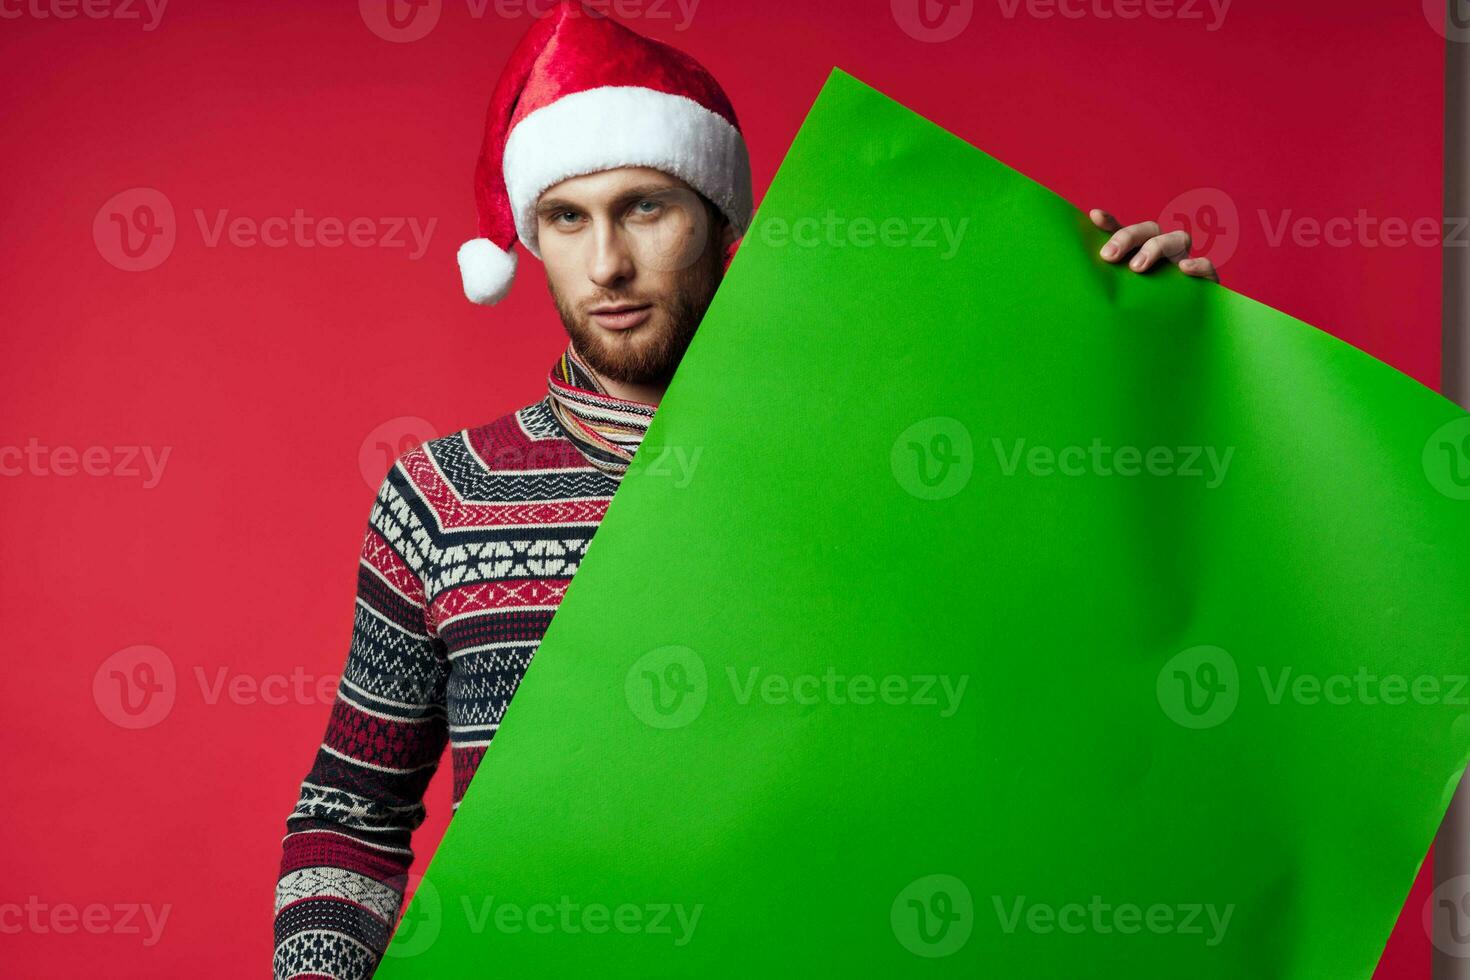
{"type": "Point", "coordinates": [471, 543]}
{"type": "Point", "coordinates": [608, 429]}
{"type": "Point", "coordinates": [323, 954]}
{"type": "Point", "coordinates": [337, 883]}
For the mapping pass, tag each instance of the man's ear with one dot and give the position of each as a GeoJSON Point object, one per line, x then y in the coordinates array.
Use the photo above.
{"type": "Point", "coordinates": [727, 236]}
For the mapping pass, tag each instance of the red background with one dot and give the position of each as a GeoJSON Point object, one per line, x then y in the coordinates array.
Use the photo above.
{"type": "Point", "coordinates": [281, 378]}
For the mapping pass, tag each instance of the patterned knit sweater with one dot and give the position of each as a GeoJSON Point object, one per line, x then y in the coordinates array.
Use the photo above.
{"type": "Point", "coordinates": [470, 545]}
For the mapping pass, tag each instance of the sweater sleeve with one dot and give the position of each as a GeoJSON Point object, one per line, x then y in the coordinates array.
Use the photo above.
{"type": "Point", "coordinates": [346, 851]}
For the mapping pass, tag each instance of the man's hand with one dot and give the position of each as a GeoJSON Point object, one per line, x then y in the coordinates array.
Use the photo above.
{"type": "Point", "coordinates": [1150, 246]}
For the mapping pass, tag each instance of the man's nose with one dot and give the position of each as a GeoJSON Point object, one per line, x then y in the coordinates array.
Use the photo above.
{"type": "Point", "coordinates": [612, 263]}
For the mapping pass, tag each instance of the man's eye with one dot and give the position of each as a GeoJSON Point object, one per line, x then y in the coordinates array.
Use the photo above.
{"type": "Point", "coordinates": [565, 217]}
{"type": "Point", "coordinates": [647, 207]}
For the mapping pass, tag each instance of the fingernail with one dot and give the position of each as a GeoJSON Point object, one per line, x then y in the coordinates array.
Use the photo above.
{"type": "Point", "coordinates": [1109, 250]}
{"type": "Point", "coordinates": [1138, 262]}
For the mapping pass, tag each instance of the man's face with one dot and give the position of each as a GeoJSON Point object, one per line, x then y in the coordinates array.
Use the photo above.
{"type": "Point", "coordinates": [632, 256]}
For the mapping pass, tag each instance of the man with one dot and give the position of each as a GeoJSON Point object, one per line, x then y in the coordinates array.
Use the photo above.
{"type": "Point", "coordinates": [620, 163]}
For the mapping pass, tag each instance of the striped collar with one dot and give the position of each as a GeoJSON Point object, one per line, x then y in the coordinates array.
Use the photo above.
{"type": "Point", "coordinates": [606, 428]}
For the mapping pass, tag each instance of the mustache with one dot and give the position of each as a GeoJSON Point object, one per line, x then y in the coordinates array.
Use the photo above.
{"type": "Point", "coordinates": [615, 300]}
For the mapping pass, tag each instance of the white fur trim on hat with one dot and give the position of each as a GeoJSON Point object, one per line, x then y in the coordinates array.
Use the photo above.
{"type": "Point", "coordinates": [486, 271]}
{"type": "Point", "coordinates": [625, 126]}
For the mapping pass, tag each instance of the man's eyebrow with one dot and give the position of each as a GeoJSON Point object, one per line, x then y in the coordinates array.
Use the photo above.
{"type": "Point", "coordinates": [556, 205]}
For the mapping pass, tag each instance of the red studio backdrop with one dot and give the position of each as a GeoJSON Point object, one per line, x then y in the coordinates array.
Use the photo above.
{"type": "Point", "coordinates": [230, 299]}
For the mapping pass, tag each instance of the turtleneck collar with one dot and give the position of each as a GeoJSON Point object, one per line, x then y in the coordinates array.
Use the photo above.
{"type": "Point", "coordinates": [607, 429]}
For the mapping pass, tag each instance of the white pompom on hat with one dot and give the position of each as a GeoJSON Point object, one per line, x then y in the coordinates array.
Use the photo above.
{"type": "Point", "coordinates": [582, 93]}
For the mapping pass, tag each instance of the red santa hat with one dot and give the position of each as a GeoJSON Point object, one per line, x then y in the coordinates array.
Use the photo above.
{"type": "Point", "coordinates": [580, 94]}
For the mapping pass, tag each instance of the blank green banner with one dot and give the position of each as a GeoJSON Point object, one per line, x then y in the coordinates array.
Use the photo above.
{"type": "Point", "coordinates": [975, 608]}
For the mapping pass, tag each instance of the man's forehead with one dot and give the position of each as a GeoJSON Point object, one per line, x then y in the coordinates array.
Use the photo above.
{"type": "Point", "coordinates": [607, 183]}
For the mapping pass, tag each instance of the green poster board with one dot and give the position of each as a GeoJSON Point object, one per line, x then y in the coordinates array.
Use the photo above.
{"type": "Point", "coordinates": [975, 608]}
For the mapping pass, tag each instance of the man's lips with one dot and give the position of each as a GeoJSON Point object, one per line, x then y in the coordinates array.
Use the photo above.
{"type": "Point", "coordinates": [621, 316]}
